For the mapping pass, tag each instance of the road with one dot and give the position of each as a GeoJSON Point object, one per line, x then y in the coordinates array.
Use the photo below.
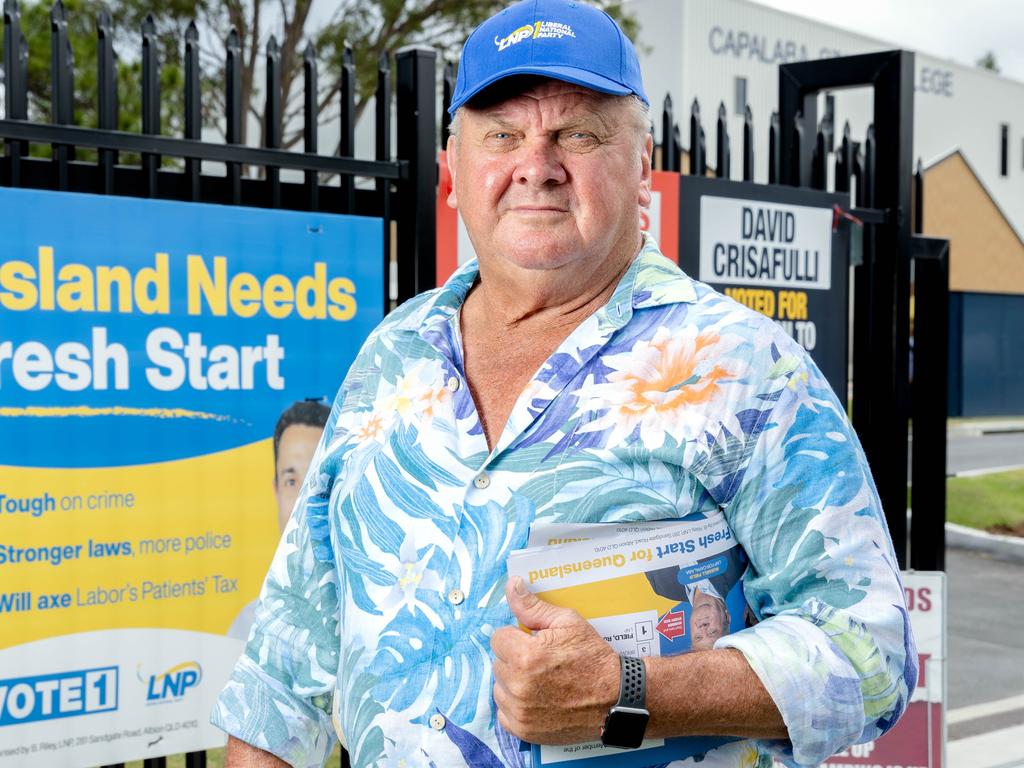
{"type": "Point", "coordinates": [964, 452]}
{"type": "Point", "coordinates": [985, 629]}
{"type": "Point", "coordinates": [975, 451]}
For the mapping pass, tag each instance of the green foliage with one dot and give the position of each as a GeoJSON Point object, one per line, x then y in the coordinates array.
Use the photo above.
{"type": "Point", "coordinates": [81, 18]}
{"type": "Point", "coordinates": [372, 27]}
{"type": "Point", "coordinates": [988, 61]}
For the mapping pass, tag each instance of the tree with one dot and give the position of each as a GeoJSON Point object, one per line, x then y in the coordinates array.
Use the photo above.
{"type": "Point", "coordinates": [988, 61]}
{"type": "Point", "coordinates": [371, 27]}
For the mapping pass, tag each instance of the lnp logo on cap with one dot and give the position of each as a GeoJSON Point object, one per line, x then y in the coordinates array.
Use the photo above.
{"type": "Point", "coordinates": [537, 30]}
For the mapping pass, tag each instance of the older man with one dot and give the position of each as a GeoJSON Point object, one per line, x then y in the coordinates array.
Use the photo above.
{"type": "Point", "coordinates": [570, 375]}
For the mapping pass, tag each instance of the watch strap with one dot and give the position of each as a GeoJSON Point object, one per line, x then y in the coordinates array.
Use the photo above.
{"type": "Point", "coordinates": [633, 683]}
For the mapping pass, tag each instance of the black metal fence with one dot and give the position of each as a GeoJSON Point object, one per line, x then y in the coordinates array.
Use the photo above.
{"type": "Point", "coordinates": [403, 192]}
{"type": "Point", "coordinates": [404, 183]}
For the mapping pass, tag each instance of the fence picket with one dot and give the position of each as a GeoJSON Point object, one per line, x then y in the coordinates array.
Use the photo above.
{"type": "Point", "coordinates": [347, 142]}
{"type": "Point", "coordinates": [233, 109]}
{"type": "Point", "coordinates": [106, 95]}
{"type": "Point", "coordinates": [272, 118]}
{"type": "Point", "coordinates": [722, 149]}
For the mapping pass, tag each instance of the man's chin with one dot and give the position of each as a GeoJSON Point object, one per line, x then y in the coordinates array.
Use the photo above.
{"type": "Point", "coordinates": [540, 251]}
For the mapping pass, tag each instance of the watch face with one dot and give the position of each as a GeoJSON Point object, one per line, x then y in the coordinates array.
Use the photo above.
{"type": "Point", "coordinates": [624, 727]}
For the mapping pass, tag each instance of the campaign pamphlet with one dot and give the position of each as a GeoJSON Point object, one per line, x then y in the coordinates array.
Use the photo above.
{"type": "Point", "coordinates": [650, 589]}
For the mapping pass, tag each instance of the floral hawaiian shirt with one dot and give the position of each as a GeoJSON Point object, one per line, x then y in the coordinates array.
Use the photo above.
{"type": "Point", "coordinates": [670, 401]}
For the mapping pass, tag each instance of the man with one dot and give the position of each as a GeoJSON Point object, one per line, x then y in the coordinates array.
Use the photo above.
{"type": "Point", "coordinates": [296, 435]}
{"type": "Point", "coordinates": [709, 620]}
{"type": "Point", "coordinates": [570, 375]}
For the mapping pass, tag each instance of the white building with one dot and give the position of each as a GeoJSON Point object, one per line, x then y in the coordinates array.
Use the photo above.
{"type": "Point", "coordinates": [721, 50]}
{"type": "Point", "coordinates": [968, 132]}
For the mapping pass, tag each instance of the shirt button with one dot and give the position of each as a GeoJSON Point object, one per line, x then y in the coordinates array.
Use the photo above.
{"type": "Point", "coordinates": [456, 596]}
{"type": "Point", "coordinates": [437, 722]}
{"type": "Point", "coordinates": [482, 481]}
{"type": "Point", "coordinates": [453, 384]}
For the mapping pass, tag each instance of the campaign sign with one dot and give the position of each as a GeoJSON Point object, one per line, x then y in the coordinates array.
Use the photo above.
{"type": "Point", "coordinates": [147, 349]}
{"type": "Point", "coordinates": [918, 740]}
{"type": "Point", "coordinates": [773, 249]}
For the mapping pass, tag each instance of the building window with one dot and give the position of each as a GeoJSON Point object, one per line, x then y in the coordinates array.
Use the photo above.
{"type": "Point", "coordinates": [741, 95]}
{"type": "Point", "coordinates": [1004, 151]}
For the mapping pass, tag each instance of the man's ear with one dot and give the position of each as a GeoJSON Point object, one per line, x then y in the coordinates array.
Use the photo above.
{"type": "Point", "coordinates": [644, 197]}
{"type": "Point", "coordinates": [451, 158]}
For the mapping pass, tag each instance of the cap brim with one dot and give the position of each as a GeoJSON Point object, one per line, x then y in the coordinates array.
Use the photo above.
{"type": "Point", "coordinates": [567, 74]}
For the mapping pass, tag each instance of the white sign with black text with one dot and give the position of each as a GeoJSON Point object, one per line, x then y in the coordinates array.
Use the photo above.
{"type": "Point", "coordinates": [749, 242]}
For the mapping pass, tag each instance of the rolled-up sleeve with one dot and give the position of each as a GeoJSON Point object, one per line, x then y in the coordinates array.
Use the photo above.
{"type": "Point", "coordinates": [833, 647]}
{"type": "Point", "coordinates": [279, 695]}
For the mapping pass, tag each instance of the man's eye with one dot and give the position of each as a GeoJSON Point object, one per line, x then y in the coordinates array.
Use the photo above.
{"type": "Point", "coordinates": [580, 139]}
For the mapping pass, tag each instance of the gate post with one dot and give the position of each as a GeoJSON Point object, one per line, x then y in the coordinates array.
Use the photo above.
{"type": "Point", "coordinates": [891, 74]}
{"type": "Point", "coordinates": [417, 144]}
{"type": "Point", "coordinates": [930, 394]}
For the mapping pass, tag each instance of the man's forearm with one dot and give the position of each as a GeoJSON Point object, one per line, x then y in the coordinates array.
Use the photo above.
{"type": "Point", "coordinates": [242, 755]}
{"type": "Point", "coordinates": [709, 693]}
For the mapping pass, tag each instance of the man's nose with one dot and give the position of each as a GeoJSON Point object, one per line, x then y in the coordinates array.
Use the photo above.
{"type": "Point", "coordinates": [539, 164]}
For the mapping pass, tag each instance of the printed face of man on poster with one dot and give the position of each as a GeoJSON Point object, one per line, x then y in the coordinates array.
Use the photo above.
{"type": "Point", "coordinates": [709, 620]}
{"type": "Point", "coordinates": [296, 436]}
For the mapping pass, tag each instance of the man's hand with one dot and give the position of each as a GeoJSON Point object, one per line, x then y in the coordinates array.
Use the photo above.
{"type": "Point", "coordinates": [556, 685]}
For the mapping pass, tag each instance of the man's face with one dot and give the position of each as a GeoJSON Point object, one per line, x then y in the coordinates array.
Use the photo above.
{"type": "Point", "coordinates": [550, 177]}
{"type": "Point", "coordinates": [708, 621]}
{"type": "Point", "coordinates": [294, 452]}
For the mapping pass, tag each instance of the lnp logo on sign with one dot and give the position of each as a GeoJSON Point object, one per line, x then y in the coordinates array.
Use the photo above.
{"type": "Point", "coordinates": [539, 30]}
{"type": "Point", "coordinates": [172, 684]}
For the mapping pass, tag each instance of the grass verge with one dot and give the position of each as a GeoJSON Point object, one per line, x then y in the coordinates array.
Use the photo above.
{"type": "Point", "coordinates": [993, 502]}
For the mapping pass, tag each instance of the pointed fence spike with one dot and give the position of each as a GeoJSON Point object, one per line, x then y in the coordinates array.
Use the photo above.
{"type": "Point", "coordinates": [192, 33]}
{"type": "Point", "coordinates": [310, 53]}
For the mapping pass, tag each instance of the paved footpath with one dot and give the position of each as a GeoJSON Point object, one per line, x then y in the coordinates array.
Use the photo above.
{"type": "Point", "coordinates": [985, 686]}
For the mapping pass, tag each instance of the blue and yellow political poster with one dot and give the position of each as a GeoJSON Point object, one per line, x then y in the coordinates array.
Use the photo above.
{"type": "Point", "coordinates": [147, 349]}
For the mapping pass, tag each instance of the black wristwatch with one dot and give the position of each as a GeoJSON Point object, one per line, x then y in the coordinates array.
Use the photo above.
{"type": "Point", "coordinates": [627, 720]}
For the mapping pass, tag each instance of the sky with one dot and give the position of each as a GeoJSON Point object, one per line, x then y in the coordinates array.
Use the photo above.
{"type": "Point", "coordinates": [961, 30]}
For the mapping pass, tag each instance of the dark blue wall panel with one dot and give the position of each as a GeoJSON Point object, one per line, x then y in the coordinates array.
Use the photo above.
{"type": "Point", "coordinates": [991, 369]}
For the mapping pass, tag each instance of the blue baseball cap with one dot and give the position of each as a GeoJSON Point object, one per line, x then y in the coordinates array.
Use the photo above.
{"type": "Point", "coordinates": [560, 39]}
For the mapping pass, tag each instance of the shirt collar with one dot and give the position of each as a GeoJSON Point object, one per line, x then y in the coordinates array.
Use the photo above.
{"type": "Point", "coordinates": [652, 280]}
